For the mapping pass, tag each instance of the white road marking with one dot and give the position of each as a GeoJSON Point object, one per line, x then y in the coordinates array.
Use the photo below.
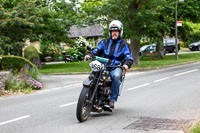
{"type": "Point", "coordinates": [161, 79]}
{"type": "Point", "coordinates": [186, 72]}
{"type": "Point", "coordinates": [138, 86]}
{"type": "Point", "coordinates": [65, 105]}
{"type": "Point", "coordinates": [59, 88]}
{"type": "Point", "coordinates": [13, 120]}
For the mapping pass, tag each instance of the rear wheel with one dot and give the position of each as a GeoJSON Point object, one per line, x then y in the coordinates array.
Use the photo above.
{"type": "Point", "coordinates": [83, 107]}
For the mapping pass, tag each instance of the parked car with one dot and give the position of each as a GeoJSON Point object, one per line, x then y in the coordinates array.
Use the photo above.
{"type": "Point", "coordinates": [148, 49]}
{"type": "Point", "coordinates": [169, 45]}
{"type": "Point", "coordinates": [194, 46]}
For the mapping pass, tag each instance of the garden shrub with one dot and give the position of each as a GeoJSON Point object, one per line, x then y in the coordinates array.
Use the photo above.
{"type": "Point", "coordinates": [71, 51]}
{"type": "Point", "coordinates": [14, 62]}
{"type": "Point", "coordinates": [194, 37]}
{"type": "Point", "coordinates": [24, 81]}
{"type": "Point", "coordinates": [182, 44]}
{"type": "Point", "coordinates": [32, 55]}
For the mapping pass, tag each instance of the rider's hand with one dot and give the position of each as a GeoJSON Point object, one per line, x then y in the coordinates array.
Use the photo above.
{"type": "Point", "coordinates": [125, 66]}
{"type": "Point", "coordinates": [86, 57]}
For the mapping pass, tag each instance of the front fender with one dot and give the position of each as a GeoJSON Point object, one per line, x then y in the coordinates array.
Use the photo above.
{"type": "Point", "coordinates": [87, 82]}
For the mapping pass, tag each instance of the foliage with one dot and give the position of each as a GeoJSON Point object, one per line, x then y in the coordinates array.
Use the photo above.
{"type": "Point", "coordinates": [35, 20]}
{"type": "Point", "coordinates": [189, 10]}
{"type": "Point", "coordinates": [71, 51]}
{"type": "Point", "coordinates": [182, 44]}
{"type": "Point", "coordinates": [196, 129]}
{"type": "Point", "coordinates": [32, 54]}
{"type": "Point", "coordinates": [144, 19]}
{"type": "Point", "coordinates": [14, 62]}
{"type": "Point", "coordinates": [88, 8]}
{"type": "Point", "coordinates": [193, 35]}
{"type": "Point", "coordinates": [81, 44]}
{"type": "Point", "coordinates": [58, 17]}
{"type": "Point", "coordinates": [50, 49]}
{"type": "Point", "coordinates": [18, 20]}
{"type": "Point", "coordinates": [23, 80]}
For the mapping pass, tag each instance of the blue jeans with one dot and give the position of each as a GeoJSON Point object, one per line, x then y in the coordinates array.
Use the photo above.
{"type": "Point", "coordinates": [116, 75]}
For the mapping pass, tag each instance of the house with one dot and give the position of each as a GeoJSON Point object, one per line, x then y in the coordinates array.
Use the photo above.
{"type": "Point", "coordinates": [92, 31]}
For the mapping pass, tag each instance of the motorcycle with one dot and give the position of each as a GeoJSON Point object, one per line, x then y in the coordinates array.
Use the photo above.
{"type": "Point", "coordinates": [94, 96]}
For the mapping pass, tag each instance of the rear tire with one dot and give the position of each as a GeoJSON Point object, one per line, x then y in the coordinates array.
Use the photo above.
{"type": "Point", "coordinates": [83, 107]}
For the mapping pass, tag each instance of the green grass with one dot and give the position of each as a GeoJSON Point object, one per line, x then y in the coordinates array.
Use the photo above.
{"type": "Point", "coordinates": [169, 60]}
{"type": "Point", "coordinates": [66, 68]}
{"type": "Point", "coordinates": [147, 63]}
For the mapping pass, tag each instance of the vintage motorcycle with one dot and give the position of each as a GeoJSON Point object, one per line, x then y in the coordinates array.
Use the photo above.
{"type": "Point", "coordinates": [94, 96]}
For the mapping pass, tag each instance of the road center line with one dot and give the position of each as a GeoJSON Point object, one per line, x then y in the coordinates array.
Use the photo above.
{"type": "Point", "coordinates": [179, 74]}
{"type": "Point", "coordinates": [13, 120]}
{"type": "Point", "coordinates": [59, 88]}
{"type": "Point", "coordinates": [161, 79]}
{"type": "Point", "coordinates": [138, 87]}
{"type": "Point", "coordinates": [65, 105]}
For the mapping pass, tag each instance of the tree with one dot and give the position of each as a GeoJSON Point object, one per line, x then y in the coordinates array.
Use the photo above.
{"type": "Point", "coordinates": [58, 17]}
{"type": "Point", "coordinates": [145, 19]}
{"type": "Point", "coordinates": [140, 19]}
{"type": "Point", "coordinates": [35, 20]}
{"type": "Point", "coordinates": [18, 19]}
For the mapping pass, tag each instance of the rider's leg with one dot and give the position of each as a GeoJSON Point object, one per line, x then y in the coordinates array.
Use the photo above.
{"type": "Point", "coordinates": [116, 75]}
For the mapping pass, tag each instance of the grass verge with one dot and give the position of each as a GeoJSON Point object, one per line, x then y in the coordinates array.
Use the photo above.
{"type": "Point", "coordinates": [65, 68]}
{"type": "Point", "coordinates": [146, 64]}
{"type": "Point", "coordinates": [169, 60]}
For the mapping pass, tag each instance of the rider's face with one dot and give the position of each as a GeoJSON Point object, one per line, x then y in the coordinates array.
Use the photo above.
{"type": "Point", "coordinates": [115, 34]}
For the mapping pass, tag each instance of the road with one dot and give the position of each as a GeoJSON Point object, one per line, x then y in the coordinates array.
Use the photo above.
{"type": "Point", "coordinates": [158, 101]}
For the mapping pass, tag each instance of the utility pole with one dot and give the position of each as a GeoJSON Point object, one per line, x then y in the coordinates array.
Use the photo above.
{"type": "Point", "coordinates": [176, 31]}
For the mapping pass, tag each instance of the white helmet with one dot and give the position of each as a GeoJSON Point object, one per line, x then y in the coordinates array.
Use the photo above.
{"type": "Point", "coordinates": [116, 25]}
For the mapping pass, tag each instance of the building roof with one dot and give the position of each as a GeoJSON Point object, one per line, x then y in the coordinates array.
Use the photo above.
{"type": "Point", "coordinates": [94, 30]}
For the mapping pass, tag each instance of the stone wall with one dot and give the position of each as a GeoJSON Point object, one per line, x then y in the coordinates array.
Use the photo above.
{"type": "Point", "coordinates": [3, 76]}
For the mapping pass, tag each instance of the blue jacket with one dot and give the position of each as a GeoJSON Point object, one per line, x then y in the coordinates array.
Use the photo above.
{"type": "Point", "coordinates": [117, 51]}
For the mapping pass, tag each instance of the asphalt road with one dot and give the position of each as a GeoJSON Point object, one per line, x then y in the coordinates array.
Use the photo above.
{"type": "Point", "coordinates": [158, 101]}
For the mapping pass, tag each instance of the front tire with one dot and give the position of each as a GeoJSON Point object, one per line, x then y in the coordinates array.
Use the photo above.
{"type": "Point", "coordinates": [83, 107]}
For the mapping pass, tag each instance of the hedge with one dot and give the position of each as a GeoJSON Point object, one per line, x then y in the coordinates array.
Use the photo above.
{"type": "Point", "coordinates": [14, 62]}
{"type": "Point", "coordinates": [30, 52]}
{"type": "Point", "coordinates": [32, 55]}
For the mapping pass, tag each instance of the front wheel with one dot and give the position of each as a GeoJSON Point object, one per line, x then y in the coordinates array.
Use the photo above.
{"type": "Point", "coordinates": [83, 107]}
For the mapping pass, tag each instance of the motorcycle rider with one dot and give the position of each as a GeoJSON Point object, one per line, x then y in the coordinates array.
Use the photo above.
{"type": "Point", "coordinates": [117, 50]}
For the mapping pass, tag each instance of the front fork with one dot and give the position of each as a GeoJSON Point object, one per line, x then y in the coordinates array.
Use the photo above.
{"type": "Point", "coordinates": [89, 83]}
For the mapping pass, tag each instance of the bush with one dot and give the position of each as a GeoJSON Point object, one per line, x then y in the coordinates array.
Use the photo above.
{"type": "Point", "coordinates": [32, 55]}
{"type": "Point", "coordinates": [71, 51]}
{"type": "Point", "coordinates": [24, 81]}
{"type": "Point", "coordinates": [182, 44]}
{"type": "Point", "coordinates": [14, 62]}
{"type": "Point", "coordinates": [194, 37]}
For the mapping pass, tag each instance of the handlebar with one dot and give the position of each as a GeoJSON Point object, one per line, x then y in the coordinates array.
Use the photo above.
{"type": "Point", "coordinates": [101, 59]}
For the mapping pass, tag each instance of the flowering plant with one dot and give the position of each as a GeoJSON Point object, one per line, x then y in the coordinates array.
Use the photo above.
{"type": "Point", "coordinates": [25, 80]}
{"type": "Point", "coordinates": [81, 42]}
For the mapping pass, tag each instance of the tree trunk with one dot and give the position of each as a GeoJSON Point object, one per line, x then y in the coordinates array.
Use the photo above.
{"type": "Point", "coordinates": [135, 48]}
